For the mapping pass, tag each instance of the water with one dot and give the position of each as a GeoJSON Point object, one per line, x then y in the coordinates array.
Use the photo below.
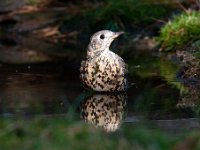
{"type": "Point", "coordinates": [155, 97]}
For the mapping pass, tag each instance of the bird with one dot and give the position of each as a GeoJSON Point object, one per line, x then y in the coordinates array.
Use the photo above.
{"type": "Point", "coordinates": [103, 70]}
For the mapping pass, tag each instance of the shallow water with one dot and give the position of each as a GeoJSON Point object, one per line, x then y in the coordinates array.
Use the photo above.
{"type": "Point", "coordinates": [155, 97]}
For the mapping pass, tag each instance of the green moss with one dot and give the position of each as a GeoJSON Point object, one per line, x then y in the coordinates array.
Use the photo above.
{"type": "Point", "coordinates": [181, 31]}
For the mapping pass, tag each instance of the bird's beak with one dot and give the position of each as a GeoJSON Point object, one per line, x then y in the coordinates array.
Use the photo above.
{"type": "Point", "coordinates": [117, 34]}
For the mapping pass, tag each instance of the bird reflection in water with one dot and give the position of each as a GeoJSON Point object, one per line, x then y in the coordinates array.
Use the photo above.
{"type": "Point", "coordinates": [104, 110]}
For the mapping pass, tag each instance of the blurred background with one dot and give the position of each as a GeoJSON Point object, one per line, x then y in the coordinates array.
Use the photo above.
{"type": "Point", "coordinates": [43, 104]}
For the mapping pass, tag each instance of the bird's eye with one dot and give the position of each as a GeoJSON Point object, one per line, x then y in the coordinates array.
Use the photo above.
{"type": "Point", "coordinates": [102, 36]}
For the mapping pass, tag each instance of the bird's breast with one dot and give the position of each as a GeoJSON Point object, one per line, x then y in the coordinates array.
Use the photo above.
{"type": "Point", "coordinates": [104, 73]}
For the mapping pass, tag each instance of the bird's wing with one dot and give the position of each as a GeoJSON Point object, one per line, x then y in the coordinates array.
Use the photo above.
{"type": "Point", "coordinates": [82, 69]}
{"type": "Point", "coordinates": [123, 64]}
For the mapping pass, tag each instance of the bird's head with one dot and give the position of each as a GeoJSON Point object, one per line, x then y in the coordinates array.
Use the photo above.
{"type": "Point", "coordinates": [101, 41]}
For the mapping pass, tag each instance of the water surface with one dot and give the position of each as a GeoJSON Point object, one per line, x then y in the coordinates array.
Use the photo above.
{"type": "Point", "coordinates": [155, 98]}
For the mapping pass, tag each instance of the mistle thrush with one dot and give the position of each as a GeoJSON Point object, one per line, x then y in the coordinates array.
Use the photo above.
{"type": "Point", "coordinates": [103, 70]}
